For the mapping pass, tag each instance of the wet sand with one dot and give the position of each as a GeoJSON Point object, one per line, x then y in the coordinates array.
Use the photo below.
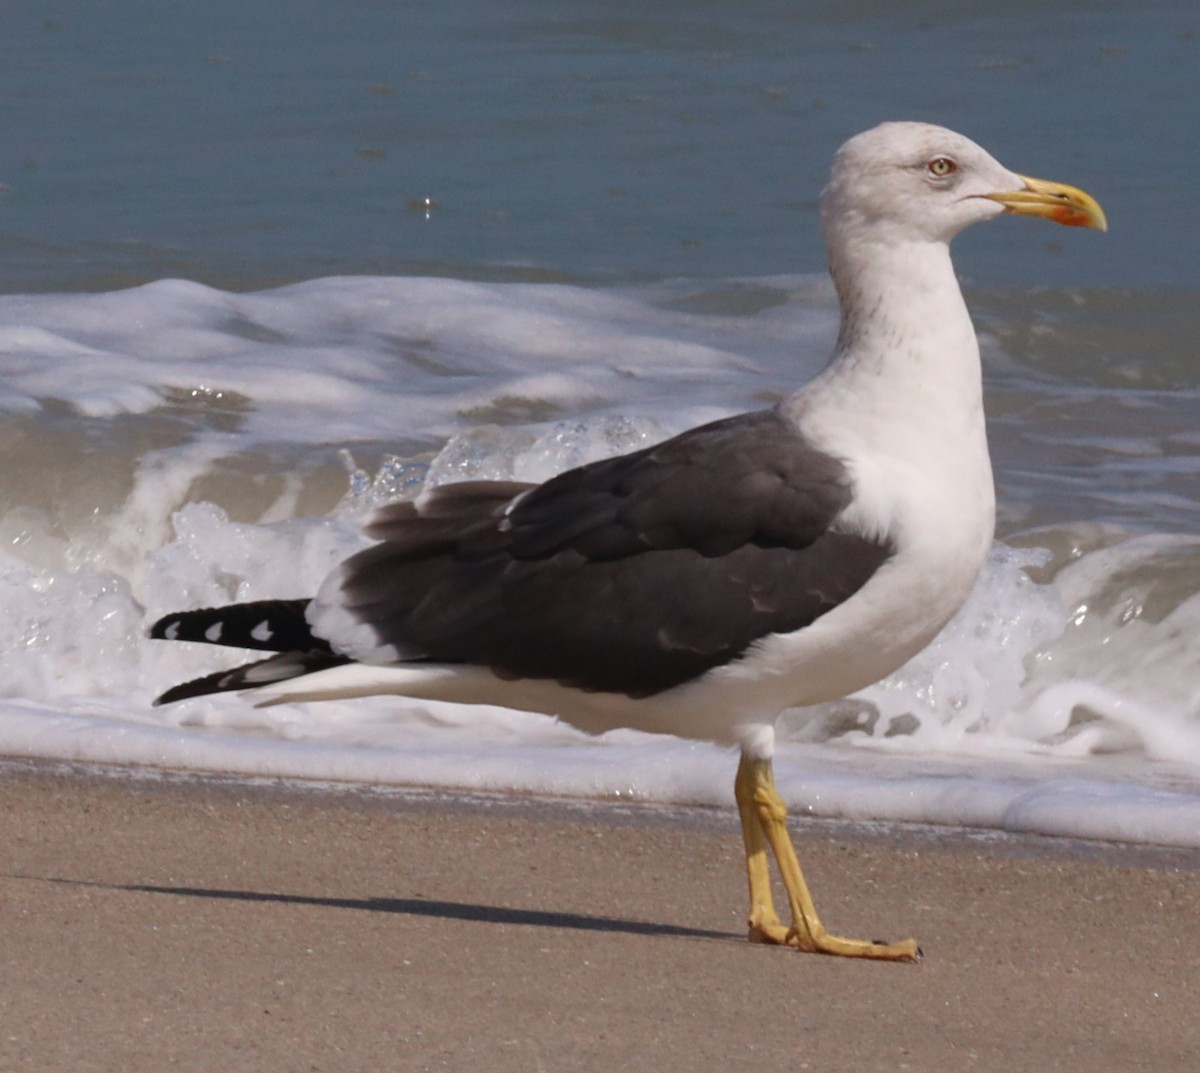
{"type": "Point", "coordinates": [210, 925]}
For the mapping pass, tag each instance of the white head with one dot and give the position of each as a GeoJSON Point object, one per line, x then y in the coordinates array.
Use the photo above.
{"type": "Point", "coordinates": [914, 182]}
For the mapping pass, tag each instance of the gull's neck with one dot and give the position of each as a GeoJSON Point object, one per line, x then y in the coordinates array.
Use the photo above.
{"type": "Point", "coordinates": [906, 354]}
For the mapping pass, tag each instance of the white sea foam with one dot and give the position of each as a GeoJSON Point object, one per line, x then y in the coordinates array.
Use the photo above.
{"type": "Point", "coordinates": [1066, 705]}
{"type": "Point", "coordinates": [372, 359]}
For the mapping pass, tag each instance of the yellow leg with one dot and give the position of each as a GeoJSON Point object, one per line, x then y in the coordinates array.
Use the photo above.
{"type": "Point", "coordinates": [764, 822]}
{"type": "Point", "coordinates": [765, 925]}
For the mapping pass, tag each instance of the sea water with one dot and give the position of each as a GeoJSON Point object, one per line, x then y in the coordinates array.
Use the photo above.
{"type": "Point", "coordinates": [262, 274]}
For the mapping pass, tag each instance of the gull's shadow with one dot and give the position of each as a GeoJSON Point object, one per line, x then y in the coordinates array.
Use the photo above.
{"type": "Point", "coordinates": [423, 907]}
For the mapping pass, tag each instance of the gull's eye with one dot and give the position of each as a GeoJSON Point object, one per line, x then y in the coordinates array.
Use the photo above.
{"type": "Point", "coordinates": [941, 166]}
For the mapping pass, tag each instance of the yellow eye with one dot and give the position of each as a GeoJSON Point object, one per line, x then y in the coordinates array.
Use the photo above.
{"type": "Point", "coordinates": [941, 166]}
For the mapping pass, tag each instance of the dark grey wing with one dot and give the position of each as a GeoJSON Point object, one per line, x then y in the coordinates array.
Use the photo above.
{"type": "Point", "coordinates": [630, 575]}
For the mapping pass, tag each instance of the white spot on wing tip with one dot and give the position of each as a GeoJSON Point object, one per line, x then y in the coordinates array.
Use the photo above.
{"type": "Point", "coordinates": [262, 632]}
{"type": "Point", "coordinates": [171, 633]}
{"type": "Point", "coordinates": [213, 633]}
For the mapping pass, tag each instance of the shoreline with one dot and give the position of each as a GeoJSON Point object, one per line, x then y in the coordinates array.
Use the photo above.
{"type": "Point", "coordinates": [606, 811]}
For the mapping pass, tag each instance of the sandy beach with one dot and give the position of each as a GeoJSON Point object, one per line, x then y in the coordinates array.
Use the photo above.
{"type": "Point", "coordinates": [207, 924]}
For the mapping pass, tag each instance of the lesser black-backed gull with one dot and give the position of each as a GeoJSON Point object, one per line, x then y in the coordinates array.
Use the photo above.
{"type": "Point", "coordinates": [703, 586]}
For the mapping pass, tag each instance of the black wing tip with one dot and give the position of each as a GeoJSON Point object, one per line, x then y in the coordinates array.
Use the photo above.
{"type": "Point", "coordinates": [186, 625]}
{"type": "Point", "coordinates": [259, 625]}
{"type": "Point", "coordinates": [278, 668]}
{"type": "Point", "coordinates": [197, 687]}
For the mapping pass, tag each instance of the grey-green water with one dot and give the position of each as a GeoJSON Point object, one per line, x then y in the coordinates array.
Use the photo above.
{"type": "Point", "coordinates": [243, 143]}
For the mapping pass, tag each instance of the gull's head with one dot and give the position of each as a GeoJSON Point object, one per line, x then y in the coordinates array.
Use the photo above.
{"type": "Point", "coordinates": [914, 182]}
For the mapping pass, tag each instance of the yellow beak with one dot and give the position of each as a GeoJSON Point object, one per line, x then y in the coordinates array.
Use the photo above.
{"type": "Point", "coordinates": [1056, 201]}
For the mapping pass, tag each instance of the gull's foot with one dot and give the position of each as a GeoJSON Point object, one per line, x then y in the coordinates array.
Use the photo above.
{"type": "Point", "coordinates": [905, 950]}
{"type": "Point", "coordinates": [769, 929]}
{"type": "Point", "coordinates": [766, 927]}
